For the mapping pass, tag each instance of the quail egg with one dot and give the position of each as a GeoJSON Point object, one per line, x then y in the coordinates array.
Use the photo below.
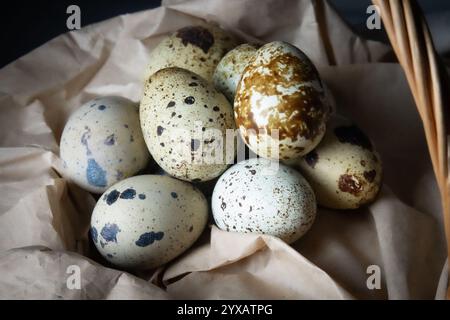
{"type": "Point", "coordinates": [344, 170]}
{"type": "Point", "coordinates": [196, 48]}
{"type": "Point", "coordinates": [102, 143]}
{"type": "Point", "coordinates": [280, 105]}
{"type": "Point", "coordinates": [185, 122]}
{"type": "Point", "coordinates": [145, 221]}
{"type": "Point", "coordinates": [229, 70]}
{"type": "Point", "coordinates": [264, 196]}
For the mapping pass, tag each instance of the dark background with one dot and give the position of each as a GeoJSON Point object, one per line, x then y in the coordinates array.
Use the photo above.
{"type": "Point", "coordinates": [26, 25]}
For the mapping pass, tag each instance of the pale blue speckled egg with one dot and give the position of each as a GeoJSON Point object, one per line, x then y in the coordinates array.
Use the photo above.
{"type": "Point", "coordinates": [145, 221]}
{"type": "Point", "coordinates": [102, 143]}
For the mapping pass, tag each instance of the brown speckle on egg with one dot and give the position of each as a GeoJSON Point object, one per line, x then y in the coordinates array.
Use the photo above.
{"type": "Point", "coordinates": [171, 104]}
{"type": "Point", "coordinates": [197, 36]}
{"type": "Point", "coordinates": [353, 135]}
{"type": "Point", "coordinates": [350, 183]}
{"type": "Point", "coordinates": [370, 175]}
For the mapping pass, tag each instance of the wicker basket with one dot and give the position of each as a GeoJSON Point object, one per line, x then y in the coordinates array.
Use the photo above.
{"type": "Point", "coordinates": [411, 40]}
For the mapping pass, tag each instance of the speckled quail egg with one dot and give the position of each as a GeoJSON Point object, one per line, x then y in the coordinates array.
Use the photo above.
{"type": "Point", "coordinates": [196, 48]}
{"type": "Point", "coordinates": [264, 196]}
{"type": "Point", "coordinates": [230, 68]}
{"type": "Point", "coordinates": [344, 170]}
{"type": "Point", "coordinates": [280, 105]}
{"type": "Point", "coordinates": [145, 221]}
{"type": "Point", "coordinates": [185, 121]}
{"type": "Point", "coordinates": [102, 143]}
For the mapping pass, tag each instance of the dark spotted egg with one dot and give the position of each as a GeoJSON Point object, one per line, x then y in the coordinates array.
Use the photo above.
{"type": "Point", "coordinates": [344, 170]}
{"type": "Point", "coordinates": [230, 68]}
{"type": "Point", "coordinates": [280, 105]}
{"type": "Point", "coordinates": [197, 48]}
{"type": "Point", "coordinates": [145, 221]}
{"type": "Point", "coordinates": [185, 120]}
{"type": "Point", "coordinates": [264, 196]}
{"type": "Point", "coordinates": [102, 143]}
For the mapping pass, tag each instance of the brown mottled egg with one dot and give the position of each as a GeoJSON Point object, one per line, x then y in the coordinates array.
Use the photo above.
{"type": "Point", "coordinates": [145, 221]}
{"type": "Point", "coordinates": [230, 68]}
{"type": "Point", "coordinates": [280, 105]}
{"type": "Point", "coordinates": [184, 120]}
{"type": "Point", "coordinates": [344, 170]}
{"type": "Point", "coordinates": [196, 48]}
{"type": "Point", "coordinates": [264, 196]}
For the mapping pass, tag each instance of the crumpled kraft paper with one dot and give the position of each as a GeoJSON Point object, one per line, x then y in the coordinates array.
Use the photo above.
{"type": "Point", "coordinates": [44, 220]}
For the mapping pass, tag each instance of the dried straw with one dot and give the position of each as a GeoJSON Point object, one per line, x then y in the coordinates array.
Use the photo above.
{"type": "Point", "coordinates": [411, 40]}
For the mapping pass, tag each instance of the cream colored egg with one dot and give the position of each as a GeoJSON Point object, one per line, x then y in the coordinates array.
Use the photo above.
{"type": "Point", "coordinates": [185, 121]}
{"type": "Point", "coordinates": [230, 68]}
{"type": "Point", "coordinates": [345, 170]}
{"type": "Point", "coordinates": [102, 143]}
{"type": "Point", "coordinates": [196, 48]}
{"type": "Point", "coordinates": [145, 221]}
{"type": "Point", "coordinates": [280, 105]}
{"type": "Point", "coordinates": [263, 196]}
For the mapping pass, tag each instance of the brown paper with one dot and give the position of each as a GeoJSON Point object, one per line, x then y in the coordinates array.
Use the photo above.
{"type": "Point", "coordinates": [44, 220]}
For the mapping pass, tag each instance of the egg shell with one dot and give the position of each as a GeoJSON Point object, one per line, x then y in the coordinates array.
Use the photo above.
{"type": "Point", "coordinates": [280, 106]}
{"type": "Point", "coordinates": [263, 196]}
{"type": "Point", "coordinates": [184, 120]}
{"type": "Point", "coordinates": [102, 143]}
{"type": "Point", "coordinates": [146, 221]}
{"type": "Point", "coordinates": [196, 48]}
{"type": "Point", "coordinates": [229, 70]}
{"type": "Point", "coordinates": [344, 170]}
